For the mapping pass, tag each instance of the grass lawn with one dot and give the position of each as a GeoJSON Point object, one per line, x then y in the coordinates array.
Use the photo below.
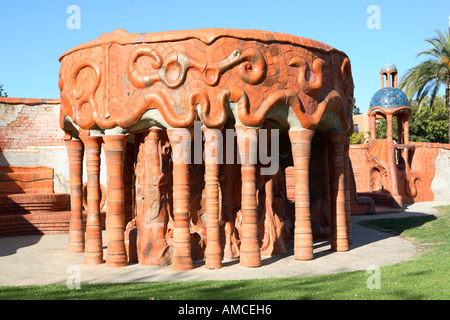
{"type": "Point", "coordinates": [426, 277]}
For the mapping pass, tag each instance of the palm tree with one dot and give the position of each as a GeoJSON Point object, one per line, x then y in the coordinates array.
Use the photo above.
{"type": "Point", "coordinates": [429, 76]}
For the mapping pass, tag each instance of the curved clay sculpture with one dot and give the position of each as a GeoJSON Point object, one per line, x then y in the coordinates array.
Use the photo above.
{"type": "Point", "coordinates": [126, 87]}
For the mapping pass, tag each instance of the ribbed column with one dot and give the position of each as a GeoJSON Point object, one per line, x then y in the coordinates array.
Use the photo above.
{"type": "Point", "coordinates": [75, 153]}
{"type": "Point", "coordinates": [93, 247]}
{"type": "Point", "coordinates": [301, 153]}
{"type": "Point", "coordinates": [180, 141]}
{"type": "Point", "coordinates": [348, 210]}
{"type": "Point", "coordinates": [372, 126]}
{"type": "Point", "coordinates": [250, 254]}
{"type": "Point", "coordinates": [339, 240]}
{"type": "Point", "coordinates": [392, 166]}
{"type": "Point", "coordinates": [114, 146]}
{"type": "Point", "coordinates": [213, 251]}
{"type": "Point", "coordinates": [326, 183]}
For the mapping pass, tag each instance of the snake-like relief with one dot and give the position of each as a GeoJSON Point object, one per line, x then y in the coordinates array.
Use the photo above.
{"type": "Point", "coordinates": [173, 70]}
{"type": "Point", "coordinates": [200, 97]}
{"type": "Point", "coordinates": [331, 103]}
{"type": "Point", "coordinates": [254, 67]}
{"type": "Point", "coordinates": [410, 184]}
{"type": "Point", "coordinates": [154, 100]}
{"type": "Point", "coordinates": [213, 70]}
{"type": "Point", "coordinates": [85, 106]}
{"type": "Point", "coordinates": [308, 87]}
{"type": "Point", "coordinates": [138, 79]}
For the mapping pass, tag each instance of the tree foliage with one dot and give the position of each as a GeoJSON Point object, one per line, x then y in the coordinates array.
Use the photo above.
{"type": "Point", "coordinates": [358, 138]}
{"type": "Point", "coordinates": [426, 79]}
{"type": "Point", "coordinates": [425, 124]}
{"type": "Point", "coordinates": [2, 92]}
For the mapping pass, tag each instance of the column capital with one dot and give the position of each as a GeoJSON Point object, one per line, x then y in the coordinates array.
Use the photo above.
{"type": "Point", "coordinates": [74, 145]}
{"type": "Point", "coordinates": [301, 136]}
{"type": "Point", "coordinates": [205, 128]}
{"type": "Point", "coordinates": [247, 141]}
{"type": "Point", "coordinates": [179, 135]}
{"type": "Point", "coordinates": [92, 141]}
{"type": "Point", "coordinates": [115, 142]}
{"type": "Point", "coordinates": [245, 128]}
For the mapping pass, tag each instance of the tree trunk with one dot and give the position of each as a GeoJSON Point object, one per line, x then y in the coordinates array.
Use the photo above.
{"type": "Point", "coordinates": [447, 102]}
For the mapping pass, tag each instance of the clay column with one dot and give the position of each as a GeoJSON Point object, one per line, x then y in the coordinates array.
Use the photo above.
{"type": "Point", "coordinates": [406, 129]}
{"type": "Point", "coordinates": [326, 184]}
{"type": "Point", "coordinates": [406, 141]}
{"type": "Point", "coordinates": [392, 167]}
{"type": "Point", "coordinates": [247, 139]}
{"type": "Point", "coordinates": [389, 127]}
{"type": "Point", "coordinates": [213, 251]}
{"type": "Point", "coordinates": [400, 129]}
{"type": "Point", "coordinates": [339, 240]}
{"type": "Point", "coordinates": [75, 153]}
{"type": "Point", "coordinates": [400, 139]}
{"type": "Point", "coordinates": [348, 210]}
{"type": "Point", "coordinates": [114, 146]}
{"type": "Point", "coordinates": [372, 126]}
{"type": "Point", "coordinates": [180, 141]}
{"type": "Point", "coordinates": [301, 153]}
{"type": "Point", "coordinates": [93, 247]}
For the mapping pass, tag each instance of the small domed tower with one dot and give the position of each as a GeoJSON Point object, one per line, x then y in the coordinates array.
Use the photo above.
{"type": "Point", "coordinates": [386, 103]}
{"type": "Point", "coordinates": [389, 73]}
{"type": "Point", "coordinates": [390, 101]}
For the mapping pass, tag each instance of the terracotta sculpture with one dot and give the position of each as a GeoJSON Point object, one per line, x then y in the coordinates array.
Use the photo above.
{"type": "Point", "coordinates": [389, 161]}
{"type": "Point", "coordinates": [149, 97]}
{"type": "Point", "coordinates": [389, 173]}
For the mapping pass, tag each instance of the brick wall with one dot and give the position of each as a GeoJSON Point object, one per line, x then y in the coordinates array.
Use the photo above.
{"type": "Point", "coordinates": [358, 157]}
{"type": "Point", "coordinates": [30, 136]}
{"type": "Point", "coordinates": [29, 125]}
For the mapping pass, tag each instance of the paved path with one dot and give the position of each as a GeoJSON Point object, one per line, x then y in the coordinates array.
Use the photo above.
{"type": "Point", "coordinates": [28, 260]}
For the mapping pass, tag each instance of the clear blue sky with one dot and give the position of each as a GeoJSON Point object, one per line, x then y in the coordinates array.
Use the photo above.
{"type": "Point", "coordinates": [34, 33]}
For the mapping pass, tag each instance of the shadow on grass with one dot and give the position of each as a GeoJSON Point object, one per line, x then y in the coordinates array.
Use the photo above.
{"type": "Point", "coordinates": [397, 226]}
{"type": "Point", "coordinates": [343, 286]}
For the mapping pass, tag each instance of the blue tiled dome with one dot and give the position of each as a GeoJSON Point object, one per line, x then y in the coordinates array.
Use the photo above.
{"type": "Point", "coordinates": [389, 98]}
{"type": "Point", "coordinates": [388, 66]}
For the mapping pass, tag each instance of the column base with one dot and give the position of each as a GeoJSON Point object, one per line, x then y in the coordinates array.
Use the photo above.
{"type": "Point", "coordinates": [182, 263]}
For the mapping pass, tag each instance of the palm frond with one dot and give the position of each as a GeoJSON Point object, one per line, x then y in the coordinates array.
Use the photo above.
{"type": "Point", "coordinates": [427, 78]}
